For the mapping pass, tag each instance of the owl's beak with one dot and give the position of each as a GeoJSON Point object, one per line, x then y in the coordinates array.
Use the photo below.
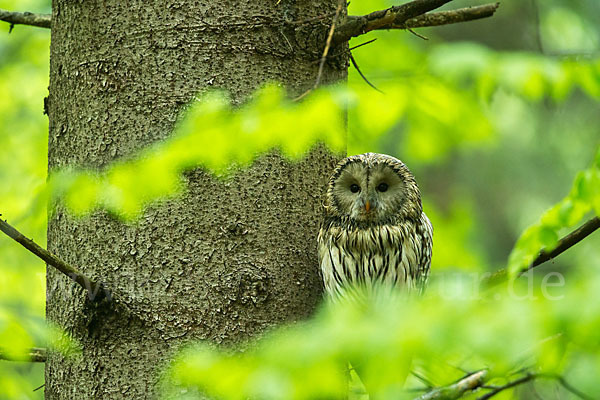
{"type": "Point", "coordinates": [367, 206]}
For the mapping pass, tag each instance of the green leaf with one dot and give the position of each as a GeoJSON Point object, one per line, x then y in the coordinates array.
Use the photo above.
{"type": "Point", "coordinates": [583, 197]}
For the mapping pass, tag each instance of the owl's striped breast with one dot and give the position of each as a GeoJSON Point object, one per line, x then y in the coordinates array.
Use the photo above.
{"type": "Point", "coordinates": [386, 254]}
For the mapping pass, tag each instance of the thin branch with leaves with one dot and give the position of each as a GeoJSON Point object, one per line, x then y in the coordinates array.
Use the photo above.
{"type": "Point", "coordinates": [563, 245]}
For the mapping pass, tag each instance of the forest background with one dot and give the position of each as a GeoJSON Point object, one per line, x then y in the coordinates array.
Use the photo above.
{"type": "Point", "coordinates": [495, 118]}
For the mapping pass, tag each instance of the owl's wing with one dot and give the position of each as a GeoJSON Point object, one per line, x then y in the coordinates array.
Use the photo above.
{"type": "Point", "coordinates": [327, 267]}
{"type": "Point", "coordinates": [425, 233]}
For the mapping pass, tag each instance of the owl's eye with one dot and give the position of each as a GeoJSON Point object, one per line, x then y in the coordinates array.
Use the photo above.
{"type": "Point", "coordinates": [382, 187]}
{"type": "Point", "coordinates": [354, 188]}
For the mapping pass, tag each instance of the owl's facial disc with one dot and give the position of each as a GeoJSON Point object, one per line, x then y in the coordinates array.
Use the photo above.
{"type": "Point", "coordinates": [369, 193]}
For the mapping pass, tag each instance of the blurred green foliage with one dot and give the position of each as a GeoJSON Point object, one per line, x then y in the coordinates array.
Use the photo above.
{"type": "Point", "coordinates": [212, 134]}
{"type": "Point", "coordinates": [447, 332]}
{"type": "Point", "coordinates": [24, 59]}
{"type": "Point", "coordinates": [497, 119]}
{"type": "Point", "coordinates": [583, 198]}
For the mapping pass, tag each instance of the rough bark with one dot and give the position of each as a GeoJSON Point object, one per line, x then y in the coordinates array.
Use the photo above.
{"type": "Point", "coordinates": [227, 260]}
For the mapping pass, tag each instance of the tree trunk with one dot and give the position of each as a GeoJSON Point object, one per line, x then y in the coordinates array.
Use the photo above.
{"type": "Point", "coordinates": [228, 259]}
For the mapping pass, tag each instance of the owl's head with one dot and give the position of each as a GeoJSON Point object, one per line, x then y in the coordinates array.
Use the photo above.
{"type": "Point", "coordinates": [373, 188]}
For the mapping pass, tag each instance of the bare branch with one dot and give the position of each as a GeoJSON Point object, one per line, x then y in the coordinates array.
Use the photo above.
{"type": "Point", "coordinates": [407, 16]}
{"type": "Point", "coordinates": [35, 354]}
{"type": "Point", "coordinates": [571, 389]}
{"type": "Point", "coordinates": [477, 380]}
{"type": "Point", "coordinates": [563, 244]}
{"type": "Point", "coordinates": [509, 385]}
{"type": "Point", "coordinates": [457, 390]}
{"type": "Point", "coordinates": [448, 17]}
{"type": "Point", "coordinates": [25, 18]}
{"type": "Point", "coordinates": [529, 377]}
{"type": "Point", "coordinates": [424, 380]}
{"type": "Point", "coordinates": [359, 25]}
{"type": "Point", "coordinates": [96, 290]}
{"type": "Point", "coordinates": [563, 382]}
{"type": "Point", "coordinates": [568, 241]}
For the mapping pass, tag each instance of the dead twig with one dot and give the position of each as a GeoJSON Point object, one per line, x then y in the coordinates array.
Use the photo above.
{"type": "Point", "coordinates": [498, 389]}
{"type": "Point", "coordinates": [566, 385]}
{"type": "Point", "coordinates": [456, 390]}
{"type": "Point", "coordinates": [361, 74]}
{"type": "Point", "coordinates": [362, 44]}
{"type": "Point", "coordinates": [35, 354]}
{"type": "Point", "coordinates": [417, 34]}
{"type": "Point", "coordinates": [448, 17]}
{"type": "Point", "coordinates": [359, 25]}
{"type": "Point", "coordinates": [325, 51]}
{"type": "Point", "coordinates": [96, 290]}
{"type": "Point", "coordinates": [25, 18]}
{"type": "Point", "coordinates": [409, 16]}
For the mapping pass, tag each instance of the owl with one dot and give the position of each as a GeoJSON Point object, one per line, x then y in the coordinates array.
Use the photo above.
{"type": "Point", "coordinates": [374, 231]}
